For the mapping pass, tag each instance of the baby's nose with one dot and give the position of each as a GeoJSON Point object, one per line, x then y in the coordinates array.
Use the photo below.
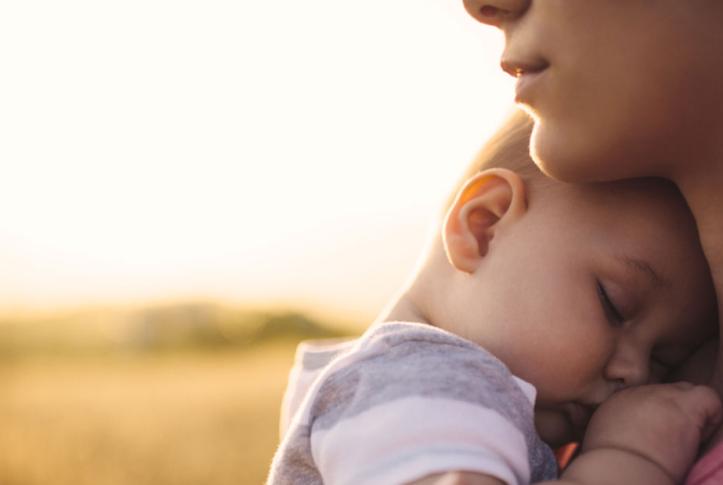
{"type": "Point", "coordinates": [629, 366]}
{"type": "Point", "coordinates": [496, 12]}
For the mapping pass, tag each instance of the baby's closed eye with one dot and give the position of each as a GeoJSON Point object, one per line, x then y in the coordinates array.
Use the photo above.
{"type": "Point", "coordinates": [697, 367]}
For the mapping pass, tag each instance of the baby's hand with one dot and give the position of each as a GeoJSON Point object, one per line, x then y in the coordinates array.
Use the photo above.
{"type": "Point", "coordinates": [663, 423]}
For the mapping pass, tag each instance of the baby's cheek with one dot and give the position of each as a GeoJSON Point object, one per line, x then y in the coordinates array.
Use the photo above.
{"type": "Point", "coordinates": [579, 366]}
{"type": "Point", "coordinates": [576, 380]}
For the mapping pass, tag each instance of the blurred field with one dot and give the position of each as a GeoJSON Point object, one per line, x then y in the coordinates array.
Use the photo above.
{"type": "Point", "coordinates": [166, 411]}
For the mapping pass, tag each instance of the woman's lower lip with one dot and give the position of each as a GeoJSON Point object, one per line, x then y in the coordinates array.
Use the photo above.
{"type": "Point", "coordinates": [525, 84]}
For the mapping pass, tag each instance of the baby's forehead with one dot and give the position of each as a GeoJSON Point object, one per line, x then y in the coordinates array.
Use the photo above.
{"type": "Point", "coordinates": [647, 214]}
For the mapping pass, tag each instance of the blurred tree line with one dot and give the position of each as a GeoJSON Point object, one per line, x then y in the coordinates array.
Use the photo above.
{"type": "Point", "coordinates": [161, 328]}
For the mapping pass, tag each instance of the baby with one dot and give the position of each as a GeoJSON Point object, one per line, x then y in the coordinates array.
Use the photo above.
{"type": "Point", "coordinates": [536, 304]}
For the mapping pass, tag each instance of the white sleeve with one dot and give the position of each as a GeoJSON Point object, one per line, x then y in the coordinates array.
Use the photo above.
{"type": "Point", "coordinates": [311, 356]}
{"type": "Point", "coordinates": [409, 438]}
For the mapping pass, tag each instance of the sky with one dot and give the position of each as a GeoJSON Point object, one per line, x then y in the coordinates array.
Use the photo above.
{"type": "Point", "coordinates": [245, 151]}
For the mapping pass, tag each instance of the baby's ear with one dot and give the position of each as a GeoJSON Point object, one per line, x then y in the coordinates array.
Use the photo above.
{"type": "Point", "coordinates": [487, 201]}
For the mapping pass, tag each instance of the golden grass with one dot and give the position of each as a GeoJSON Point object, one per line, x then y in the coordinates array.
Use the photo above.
{"type": "Point", "coordinates": [174, 419]}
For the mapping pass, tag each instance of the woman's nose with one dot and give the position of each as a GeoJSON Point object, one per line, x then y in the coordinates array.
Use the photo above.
{"type": "Point", "coordinates": [496, 12]}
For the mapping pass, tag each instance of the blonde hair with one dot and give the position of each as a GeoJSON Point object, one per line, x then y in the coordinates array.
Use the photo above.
{"type": "Point", "coordinates": [508, 147]}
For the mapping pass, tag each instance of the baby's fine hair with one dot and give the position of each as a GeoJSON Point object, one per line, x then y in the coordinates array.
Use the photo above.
{"type": "Point", "coordinates": [508, 147]}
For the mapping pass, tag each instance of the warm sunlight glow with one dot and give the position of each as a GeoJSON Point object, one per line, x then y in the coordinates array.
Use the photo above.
{"type": "Point", "coordinates": [233, 150]}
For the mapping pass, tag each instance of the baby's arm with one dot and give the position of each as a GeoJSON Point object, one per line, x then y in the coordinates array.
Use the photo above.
{"type": "Point", "coordinates": [458, 478]}
{"type": "Point", "coordinates": [650, 434]}
{"type": "Point", "coordinates": [644, 435]}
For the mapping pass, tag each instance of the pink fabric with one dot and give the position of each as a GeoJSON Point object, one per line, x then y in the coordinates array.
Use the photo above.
{"type": "Point", "coordinates": [709, 469]}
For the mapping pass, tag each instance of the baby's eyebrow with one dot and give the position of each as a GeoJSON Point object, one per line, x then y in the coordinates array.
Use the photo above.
{"type": "Point", "coordinates": [646, 269]}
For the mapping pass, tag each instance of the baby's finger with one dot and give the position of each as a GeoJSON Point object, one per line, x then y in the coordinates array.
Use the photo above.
{"type": "Point", "coordinates": [706, 406]}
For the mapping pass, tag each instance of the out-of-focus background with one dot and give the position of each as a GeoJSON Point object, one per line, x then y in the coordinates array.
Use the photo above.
{"type": "Point", "coordinates": [189, 188]}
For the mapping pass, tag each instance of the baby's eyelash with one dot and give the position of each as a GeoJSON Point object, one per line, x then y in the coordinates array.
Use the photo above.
{"type": "Point", "coordinates": [611, 312]}
{"type": "Point", "coordinates": [656, 360]}
{"type": "Point", "coordinates": [665, 366]}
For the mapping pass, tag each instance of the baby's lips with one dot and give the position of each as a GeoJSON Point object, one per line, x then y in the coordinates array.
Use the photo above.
{"type": "Point", "coordinates": [579, 414]}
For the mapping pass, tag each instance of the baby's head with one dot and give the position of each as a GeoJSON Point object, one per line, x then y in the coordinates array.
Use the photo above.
{"type": "Point", "coordinates": [617, 88]}
{"type": "Point", "coordinates": [578, 289]}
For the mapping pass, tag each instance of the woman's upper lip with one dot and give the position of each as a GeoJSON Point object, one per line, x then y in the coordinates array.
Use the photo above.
{"type": "Point", "coordinates": [516, 68]}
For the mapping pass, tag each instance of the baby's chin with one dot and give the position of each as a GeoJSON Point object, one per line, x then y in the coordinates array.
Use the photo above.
{"type": "Point", "coordinates": [555, 428]}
